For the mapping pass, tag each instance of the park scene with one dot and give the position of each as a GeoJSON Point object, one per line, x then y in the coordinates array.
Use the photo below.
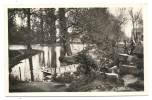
{"type": "Point", "coordinates": [81, 49]}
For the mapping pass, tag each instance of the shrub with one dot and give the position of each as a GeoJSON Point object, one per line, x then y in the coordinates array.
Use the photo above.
{"type": "Point", "coordinates": [113, 80]}
{"type": "Point", "coordinates": [13, 79]}
{"type": "Point", "coordinates": [77, 83]}
{"type": "Point", "coordinates": [85, 60]}
{"type": "Point", "coordinates": [140, 64]}
{"type": "Point", "coordinates": [65, 78]}
{"type": "Point", "coordinates": [137, 86]}
{"type": "Point", "coordinates": [127, 70]}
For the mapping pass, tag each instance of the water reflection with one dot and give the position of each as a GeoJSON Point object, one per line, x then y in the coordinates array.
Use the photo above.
{"type": "Point", "coordinates": [40, 60]}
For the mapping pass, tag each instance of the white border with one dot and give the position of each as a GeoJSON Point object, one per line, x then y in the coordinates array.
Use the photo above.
{"type": "Point", "coordinates": [145, 13]}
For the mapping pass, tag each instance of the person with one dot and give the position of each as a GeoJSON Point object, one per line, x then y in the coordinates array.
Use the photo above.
{"type": "Point", "coordinates": [132, 46]}
{"type": "Point", "coordinates": [141, 43]}
{"type": "Point", "coordinates": [125, 47]}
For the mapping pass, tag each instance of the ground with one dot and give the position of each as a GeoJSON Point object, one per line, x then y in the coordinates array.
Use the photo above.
{"type": "Point", "coordinates": [96, 86]}
{"type": "Point", "coordinates": [38, 87]}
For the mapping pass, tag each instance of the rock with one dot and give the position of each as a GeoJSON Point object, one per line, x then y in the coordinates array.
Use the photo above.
{"type": "Point", "coordinates": [112, 76]}
{"type": "Point", "coordinates": [114, 69]}
{"type": "Point", "coordinates": [138, 49]}
{"type": "Point", "coordinates": [71, 73]}
{"type": "Point", "coordinates": [123, 88]}
{"type": "Point", "coordinates": [129, 79]}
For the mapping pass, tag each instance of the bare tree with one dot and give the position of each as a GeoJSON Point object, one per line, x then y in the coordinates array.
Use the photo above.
{"type": "Point", "coordinates": [134, 19]}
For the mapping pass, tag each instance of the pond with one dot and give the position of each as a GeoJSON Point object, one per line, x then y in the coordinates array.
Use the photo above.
{"type": "Point", "coordinates": [41, 60]}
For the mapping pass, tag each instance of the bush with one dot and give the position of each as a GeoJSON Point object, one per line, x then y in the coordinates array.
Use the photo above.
{"type": "Point", "coordinates": [113, 80]}
{"type": "Point", "coordinates": [137, 86]}
{"type": "Point", "coordinates": [85, 60]}
{"type": "Point", "coordinates": [127, 70]}
{"type": "Point", "coordinates": [13, 79]}
{"type": "Point", "coordinates": [65, 78]}
{"type": "Point", "coordinates": [77, 83]}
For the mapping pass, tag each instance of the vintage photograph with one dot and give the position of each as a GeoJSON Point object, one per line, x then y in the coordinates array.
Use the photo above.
{"type": "Point", "coordinates": [75, 49]}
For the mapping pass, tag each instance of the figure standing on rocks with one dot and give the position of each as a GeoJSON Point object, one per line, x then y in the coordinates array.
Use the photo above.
{"type": "Point", "coordinates": [132, 46]}
{"type": "Point", "coordinates": [125, 47]}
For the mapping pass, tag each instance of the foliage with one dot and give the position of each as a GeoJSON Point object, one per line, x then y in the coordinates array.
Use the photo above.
{"type": "Point", "coordinates": [87, 65]}
{"type": "Point", "coordinates": [95, 25]}
{"type": "Point", "coordinates": [65, 78]}
{"type": "Point", "coordinates": [91, 25]}
{"type": "Point", "coordinates": [42, 24]}
{"type": "Point", "coordinates": [13, 79]}
{"type": "Point", "coordinates": [109, 80]}
{"type": "Point", "coordinates": [130, 70]}
{"type": "Point", "coordinates": [76, 84]}
{"type": "Point", "coordinates": [137, 86]}
{"type": "Point", "coordinates": [85, 61]}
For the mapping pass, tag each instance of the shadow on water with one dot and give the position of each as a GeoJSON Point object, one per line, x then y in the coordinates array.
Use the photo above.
{"type": "Point", "coordinates": [46, 59]}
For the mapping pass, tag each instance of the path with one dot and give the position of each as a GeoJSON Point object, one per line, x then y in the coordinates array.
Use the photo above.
{"type": "Point", "coordinates": [38, 87]}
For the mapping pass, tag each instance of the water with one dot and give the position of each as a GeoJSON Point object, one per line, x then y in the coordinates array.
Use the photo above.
{"type": "Point", "coordinates": [25, 69]}
{"type": "Point", "coordinates": [41, 60]}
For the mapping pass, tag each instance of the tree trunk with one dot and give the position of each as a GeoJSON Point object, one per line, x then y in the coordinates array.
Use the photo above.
{"type": "Point", "coordinates": [136, 40]}
{"type": "Point", "coordinates": [64, 33]}
{"type": "Point", "coordinates": [41, 35]}
{"type": "Point", "coordinates": [28, 19]}
{"type": "Point", "coordinates": [29, 42]}
{"type": "Point", "coordinates": [29, 29]}
{"type": "Point", "coordinates": [31, 68]}
{"type": "Point", "coordinates": [134, 35]}
{"type": "Point", "coordinates": [53, 58]}
{"type": "Point", "coordinates": [117, 37]}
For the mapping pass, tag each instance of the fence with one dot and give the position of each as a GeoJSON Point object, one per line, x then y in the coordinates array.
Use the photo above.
{"type": "Point", "coordinates": [62, 69]}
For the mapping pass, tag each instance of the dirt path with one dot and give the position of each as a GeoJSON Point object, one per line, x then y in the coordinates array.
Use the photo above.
{"type": "Point", "coordinates": [38, 87]}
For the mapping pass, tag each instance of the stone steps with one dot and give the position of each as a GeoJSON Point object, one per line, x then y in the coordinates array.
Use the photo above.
{"type": "Point", "coordinates": [133, 66]}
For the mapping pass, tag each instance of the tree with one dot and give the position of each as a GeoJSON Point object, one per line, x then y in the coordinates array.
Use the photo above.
{"type": "Point", "coordinates": [64, 35]}
{"type": "Point", "coordinates": [119, 21]}
{"type": "Point", "coordinates": [11, 24]}
{"type": "Point", "coordinates": [134, 19]}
